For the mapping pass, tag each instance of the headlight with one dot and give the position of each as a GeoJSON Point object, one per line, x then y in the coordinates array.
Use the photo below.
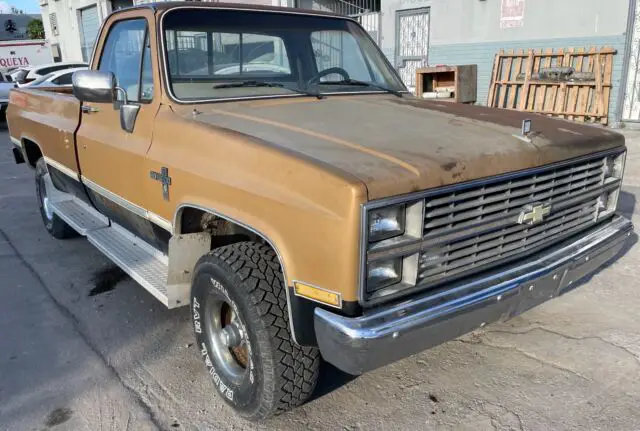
{"type": "Point", "coordinates": [384, 273]}
{"type": "Point", "coordinates": [613, 171]}
{"type": "Point", "coordinates": [614, 165]}
{"type": "Point", "coordinates": [386, 222]}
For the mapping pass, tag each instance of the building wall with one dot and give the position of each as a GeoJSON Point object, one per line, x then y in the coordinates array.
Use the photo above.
{"type": "Point", "coordinates": [469, 32]}
{"type": "Point", "coordinates": [68, 16]}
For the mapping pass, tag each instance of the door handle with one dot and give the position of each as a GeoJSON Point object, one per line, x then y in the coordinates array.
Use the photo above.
{"type": "Point", "coordinates": [88, 109]}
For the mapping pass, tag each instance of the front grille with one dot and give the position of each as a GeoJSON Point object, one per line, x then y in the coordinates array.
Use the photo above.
{"type": "Point", "coordinates": [477, 227]}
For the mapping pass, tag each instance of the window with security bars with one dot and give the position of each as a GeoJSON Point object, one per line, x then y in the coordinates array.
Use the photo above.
{"type": "Point", "coordinates": [53, 21]}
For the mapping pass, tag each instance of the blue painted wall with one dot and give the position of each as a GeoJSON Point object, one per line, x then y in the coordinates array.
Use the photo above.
{"type": "Point", "coordinates": [483, 54]}
{"type": "Point", "coordinates": [469, 32]}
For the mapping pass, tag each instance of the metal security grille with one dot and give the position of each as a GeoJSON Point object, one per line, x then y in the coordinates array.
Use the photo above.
{"type": "Point", "coordinates": [475, 228]}
{"type": "Point", "coordinates": [412, 43]}
{"type": "Point", "coordinates": [366, 12]}
{"type": "Point", "coordinates": [53, 21]}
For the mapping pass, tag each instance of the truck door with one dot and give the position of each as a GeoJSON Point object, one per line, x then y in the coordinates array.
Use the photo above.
{"type": "Point", "coordinates": [111, 159]}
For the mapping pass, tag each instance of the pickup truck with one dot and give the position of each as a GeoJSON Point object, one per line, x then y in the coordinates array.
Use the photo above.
{"type": "Point", "coordinates": [268, 168]}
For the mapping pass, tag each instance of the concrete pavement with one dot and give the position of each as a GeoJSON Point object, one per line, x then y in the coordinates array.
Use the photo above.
{"type": "Point", "coordinates": [82, 348]}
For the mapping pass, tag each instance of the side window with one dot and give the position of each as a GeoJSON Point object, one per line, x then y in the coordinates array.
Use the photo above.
{"type": "Point", "coordinates": [122, 55]}
{"type": "Point", "coordinates": [146, 77]}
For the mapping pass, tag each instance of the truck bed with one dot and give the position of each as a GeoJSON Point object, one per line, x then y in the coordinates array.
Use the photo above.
{"type": "Point", "coordinates": [47, 117]}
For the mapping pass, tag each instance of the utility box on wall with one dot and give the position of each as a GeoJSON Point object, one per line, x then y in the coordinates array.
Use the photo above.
{"type": "Point", "coordinates": [448, 83]}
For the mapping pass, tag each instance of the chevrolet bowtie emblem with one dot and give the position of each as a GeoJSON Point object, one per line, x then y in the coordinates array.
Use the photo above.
{"type": "Point", "coordinates": [532, 214]}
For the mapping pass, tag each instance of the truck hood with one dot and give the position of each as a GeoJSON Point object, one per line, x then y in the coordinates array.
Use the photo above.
{"type": "Point", "coordinates": [400, 145]}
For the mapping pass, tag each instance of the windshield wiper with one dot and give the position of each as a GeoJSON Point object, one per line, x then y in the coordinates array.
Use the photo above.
{"type": "Point", "coordinates": [254, 83]}
{"type": "Point", "coordinates": [362, 84]}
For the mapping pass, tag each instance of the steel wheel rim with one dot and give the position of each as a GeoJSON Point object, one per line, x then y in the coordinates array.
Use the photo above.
{"type": "Point", "coordinates": [42, 190]}
{"type": "Point", "coordinates": [233, 362]}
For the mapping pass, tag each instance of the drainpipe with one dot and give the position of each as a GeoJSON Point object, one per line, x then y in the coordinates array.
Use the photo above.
{"type": "Point", "coordinates": [625, 63]}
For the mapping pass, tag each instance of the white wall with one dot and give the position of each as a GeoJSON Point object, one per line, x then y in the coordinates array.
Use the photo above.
{"type": "Point", "coordinates": [68, 15]}
{"type": "Point", "coordinates": [473, 21]}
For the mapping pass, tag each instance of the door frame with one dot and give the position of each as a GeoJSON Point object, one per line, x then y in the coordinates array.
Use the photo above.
{"type": "Point", "coordinates": [397, 63]}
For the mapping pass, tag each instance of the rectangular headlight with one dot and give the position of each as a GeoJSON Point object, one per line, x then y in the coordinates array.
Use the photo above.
{"type": "Point", "coordinates": [613, 171]}
{"type": "Point", "coordinates": [614, 165]}
{"type": "Point", "coordinates": [383, 273]}
{"type": "Point", "coordinates": [387, 222]}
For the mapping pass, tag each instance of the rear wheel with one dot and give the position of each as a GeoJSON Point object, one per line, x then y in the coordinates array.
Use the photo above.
{"type": "Point", "coordinates": [240, 319]}
{"type": "Point", "coordinates": [54, 224]}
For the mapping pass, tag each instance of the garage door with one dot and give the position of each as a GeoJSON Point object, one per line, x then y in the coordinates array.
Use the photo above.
{"type": "Point", "coordinates": [89, 25]}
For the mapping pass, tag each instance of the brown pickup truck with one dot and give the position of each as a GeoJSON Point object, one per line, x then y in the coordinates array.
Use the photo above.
{"type": "Point", "coordinates": [268, 167]}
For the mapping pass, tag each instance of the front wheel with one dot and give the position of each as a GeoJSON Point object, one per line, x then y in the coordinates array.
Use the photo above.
{"type": "Point", "coordinates": [240, 319]}
{"type": "Point", "coordinates": [57, 227]}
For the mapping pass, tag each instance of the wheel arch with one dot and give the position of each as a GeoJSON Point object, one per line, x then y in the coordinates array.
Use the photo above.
{"type": "Point", "coordinates": [178, 227]}
{"type": "Point", "coordinates": [31, 150]}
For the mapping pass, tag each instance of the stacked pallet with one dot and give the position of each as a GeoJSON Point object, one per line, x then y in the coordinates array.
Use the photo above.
{"type": "Point", "coordinates": [574, 83]}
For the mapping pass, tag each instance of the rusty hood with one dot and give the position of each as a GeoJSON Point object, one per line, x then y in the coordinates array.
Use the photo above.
{"type": "Point", "coordinates": [400, 145]}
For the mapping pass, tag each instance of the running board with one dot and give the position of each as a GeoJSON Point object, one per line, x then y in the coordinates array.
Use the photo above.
{"type": "Point", "coordinates": [144, 263]}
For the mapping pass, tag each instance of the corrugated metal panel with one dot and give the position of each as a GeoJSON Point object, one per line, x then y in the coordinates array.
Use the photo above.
{"type": "Point", "coordinates": [89, 26]}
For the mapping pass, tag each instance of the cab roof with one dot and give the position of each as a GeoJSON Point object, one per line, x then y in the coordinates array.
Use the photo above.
{"type": "Point", "coordinates": [164, 6]}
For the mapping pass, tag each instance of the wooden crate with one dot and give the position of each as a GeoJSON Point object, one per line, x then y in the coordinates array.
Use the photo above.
{"type": "Point", "coordinates": [461, 79]}
{"type": "Point", "coordinates": [521, 81]}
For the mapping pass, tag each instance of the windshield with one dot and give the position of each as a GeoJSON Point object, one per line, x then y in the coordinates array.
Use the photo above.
{"type": "Point", "coordinates": [217, 54]}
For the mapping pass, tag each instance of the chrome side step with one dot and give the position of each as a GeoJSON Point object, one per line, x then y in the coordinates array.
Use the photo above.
{"type": "Point", "coordinates": [135, 257]}
{"type": "Point", "coordinates": [144, 263]}
{"type": "Point", "coordinates": [80, 216]}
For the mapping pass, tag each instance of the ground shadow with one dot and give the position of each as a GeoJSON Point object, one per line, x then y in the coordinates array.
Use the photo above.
{"type": "Point", "coordinates": [330, 379]}
{"type": "Point", "coordinates": [626, 204]}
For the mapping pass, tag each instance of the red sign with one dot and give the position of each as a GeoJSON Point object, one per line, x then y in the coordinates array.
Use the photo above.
{"type": "Point", "coordinates": [13, 61]}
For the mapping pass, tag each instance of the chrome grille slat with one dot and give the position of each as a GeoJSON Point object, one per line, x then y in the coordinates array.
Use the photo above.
{"type": "Point", "coordinates": [476, 228]}
{"type": "Point", "coordinates": [472, 227]}
{"type": "Point", "coordinates": [495, 239]}
{"type": "Point", "coordinates": [593, 175]}
{"type": "Point", "coordinates": [509, 184]}
{"type": "Point", "coordinates": [516, 204]}
{"type": "Point", "coordinates": [460, 268]}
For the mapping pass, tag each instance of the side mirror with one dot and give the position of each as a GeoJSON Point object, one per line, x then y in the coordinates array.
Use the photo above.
{"type": "Point", "coordinates": [94, 86]}
{"type": "Point", "coordinates": [101, 87]}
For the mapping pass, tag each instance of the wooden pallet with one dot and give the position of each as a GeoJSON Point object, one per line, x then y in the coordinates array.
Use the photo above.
{"type": "Point", "coordinates": [517, 83]}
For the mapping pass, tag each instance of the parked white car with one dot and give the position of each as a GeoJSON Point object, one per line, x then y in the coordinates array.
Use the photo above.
{"type": "Point", "coordinates": [19, 74]}
{"type": "Point", "coordinates": [36, 72]}
{"type": "Point", "coordinates": [61, 78]}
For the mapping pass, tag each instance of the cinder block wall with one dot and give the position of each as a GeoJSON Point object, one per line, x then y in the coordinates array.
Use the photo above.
{"type": "Point", "coordinates": [468, 32]}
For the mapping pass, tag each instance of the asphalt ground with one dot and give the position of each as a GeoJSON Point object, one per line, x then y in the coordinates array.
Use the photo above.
{"type": "Point", "coordinates": [82, 346]}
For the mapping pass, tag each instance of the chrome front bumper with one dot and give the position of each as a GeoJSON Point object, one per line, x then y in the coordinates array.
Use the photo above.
{"type": "Point", "coordinates": [386, 334]}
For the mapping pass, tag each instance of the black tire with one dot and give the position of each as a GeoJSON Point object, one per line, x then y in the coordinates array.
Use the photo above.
{"type": "Point", "coordinates": [57, 227]}
{"type": "Point", "coordinates": [279, 374]}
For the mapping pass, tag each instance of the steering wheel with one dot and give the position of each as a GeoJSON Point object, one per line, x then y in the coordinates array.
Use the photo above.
{"type": "Point", "coordinates": [340, 71]}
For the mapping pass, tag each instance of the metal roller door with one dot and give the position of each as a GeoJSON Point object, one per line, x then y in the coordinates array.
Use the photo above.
{"type": "Point", "coordinates": [89, 26]}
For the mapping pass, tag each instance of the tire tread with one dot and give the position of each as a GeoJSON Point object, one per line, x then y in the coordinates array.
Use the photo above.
{"type": "Point", "coordinates": [296, 367]}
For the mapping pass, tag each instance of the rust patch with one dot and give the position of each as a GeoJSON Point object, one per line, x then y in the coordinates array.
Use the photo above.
{"type": "Point", "coordinates": [328, 138]}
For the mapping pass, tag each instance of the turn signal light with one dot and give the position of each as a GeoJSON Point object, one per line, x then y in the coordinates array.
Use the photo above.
{"type": "Point", "coordinates": [318, 294]}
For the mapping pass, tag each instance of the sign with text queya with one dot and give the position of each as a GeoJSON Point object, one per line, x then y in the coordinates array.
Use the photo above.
{"type": "Point", "coordinates": [23, 53]}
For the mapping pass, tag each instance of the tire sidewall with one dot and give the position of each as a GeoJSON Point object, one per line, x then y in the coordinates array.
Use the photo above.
{"type": "Point", "coordinates": [41, 170]}
{"type": "Point", "coordinates": [212, 282]}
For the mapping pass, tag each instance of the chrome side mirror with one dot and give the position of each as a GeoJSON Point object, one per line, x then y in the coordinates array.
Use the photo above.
{"type": "Point", "coordinates": [94, 86]}
{"type": "Point", "coordinates": [102, 87]}
{"type": "Point", "coordinates": [128, 115]}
